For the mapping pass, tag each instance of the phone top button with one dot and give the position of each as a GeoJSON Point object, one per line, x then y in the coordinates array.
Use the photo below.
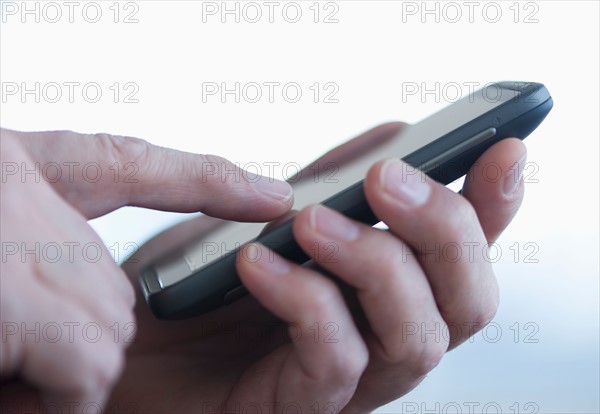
{"type": "Point", "coordinates": [234, 294]}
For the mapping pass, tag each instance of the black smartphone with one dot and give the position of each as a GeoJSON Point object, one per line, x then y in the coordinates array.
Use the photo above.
{"type": "Point", "coordinates": [201, 276]}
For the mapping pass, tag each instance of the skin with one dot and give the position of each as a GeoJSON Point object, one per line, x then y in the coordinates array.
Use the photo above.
{"type": "Point", "coordinates": [303, 341]}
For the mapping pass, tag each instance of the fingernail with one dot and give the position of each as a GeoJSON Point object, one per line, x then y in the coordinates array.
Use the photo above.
{"type": "Point", "coordinates": [514, 176]}
{"type": "Point", "coordinates": [332, 225]}
{"type": "Point", "coordinates": [404, 183]}
{"type": "Point", "coordinates": [266, 259]}
{"type": "Point", "coordinates": [279, 190]}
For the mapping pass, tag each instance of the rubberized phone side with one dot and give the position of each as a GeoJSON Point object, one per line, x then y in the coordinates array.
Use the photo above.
{"type": "Point", "coordinates": [183, 300]}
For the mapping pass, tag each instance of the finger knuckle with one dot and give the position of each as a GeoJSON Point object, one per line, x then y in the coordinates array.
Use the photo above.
{"type": "Point", "coordinates": [430, 355]}
{"type": "Point", "coordinates": [92, 366]}
{"type": "Point", "coordinates": [421, 357]}
{"type": "Point", "coordinates": [486, 310]}
{"type": "Point", "coordinates": [108, 372]}
{"type": "Point", "coordinates": [349, 367]}
{"type": "Point", "coordinates": [322, 297]}
{"type": "Point", "coordinates": [388, 268]}
{"type": "Point", "coordinates": [469, 318]}
{"type": "Point", "coordinates": [418, 353]}
{"type": "Point", "coordinates": [9, 143]}
{"type": "Point", "coordinates": [217, 170]}
{"type": "Point", "coordinates": [12, 149]}
{"type": "Point", "coordinates": [104, 369]}
{"type": "Point", "coordinates": [122, 149]}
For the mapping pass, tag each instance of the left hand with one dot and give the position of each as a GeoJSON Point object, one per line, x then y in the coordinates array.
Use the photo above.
{"type": "Point", "coordinates": [353, 350]}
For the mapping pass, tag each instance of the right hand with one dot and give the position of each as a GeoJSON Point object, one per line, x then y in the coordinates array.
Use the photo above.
{"type": "Point", "coordinates": [66, 306]}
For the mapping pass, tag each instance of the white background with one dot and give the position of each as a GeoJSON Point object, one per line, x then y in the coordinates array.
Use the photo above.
{"type": "Point", "coordinates": [543, 346]}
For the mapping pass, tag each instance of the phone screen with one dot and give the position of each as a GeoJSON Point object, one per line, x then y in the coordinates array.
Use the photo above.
{"type": "Point", "coordinates": [332, 180]}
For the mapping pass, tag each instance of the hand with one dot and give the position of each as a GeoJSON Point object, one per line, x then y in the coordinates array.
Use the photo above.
{"type": "Point", "coordinates": [304, 343]}
{"type": "Point", "coordinates": [65, 304]}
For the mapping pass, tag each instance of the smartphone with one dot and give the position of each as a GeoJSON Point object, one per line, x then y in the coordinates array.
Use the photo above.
{"type": "Point", "coordinates": [201, 276]}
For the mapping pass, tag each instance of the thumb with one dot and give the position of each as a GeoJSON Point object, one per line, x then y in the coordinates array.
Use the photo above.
{"type": "Point", "coordinates": [98, 173]}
